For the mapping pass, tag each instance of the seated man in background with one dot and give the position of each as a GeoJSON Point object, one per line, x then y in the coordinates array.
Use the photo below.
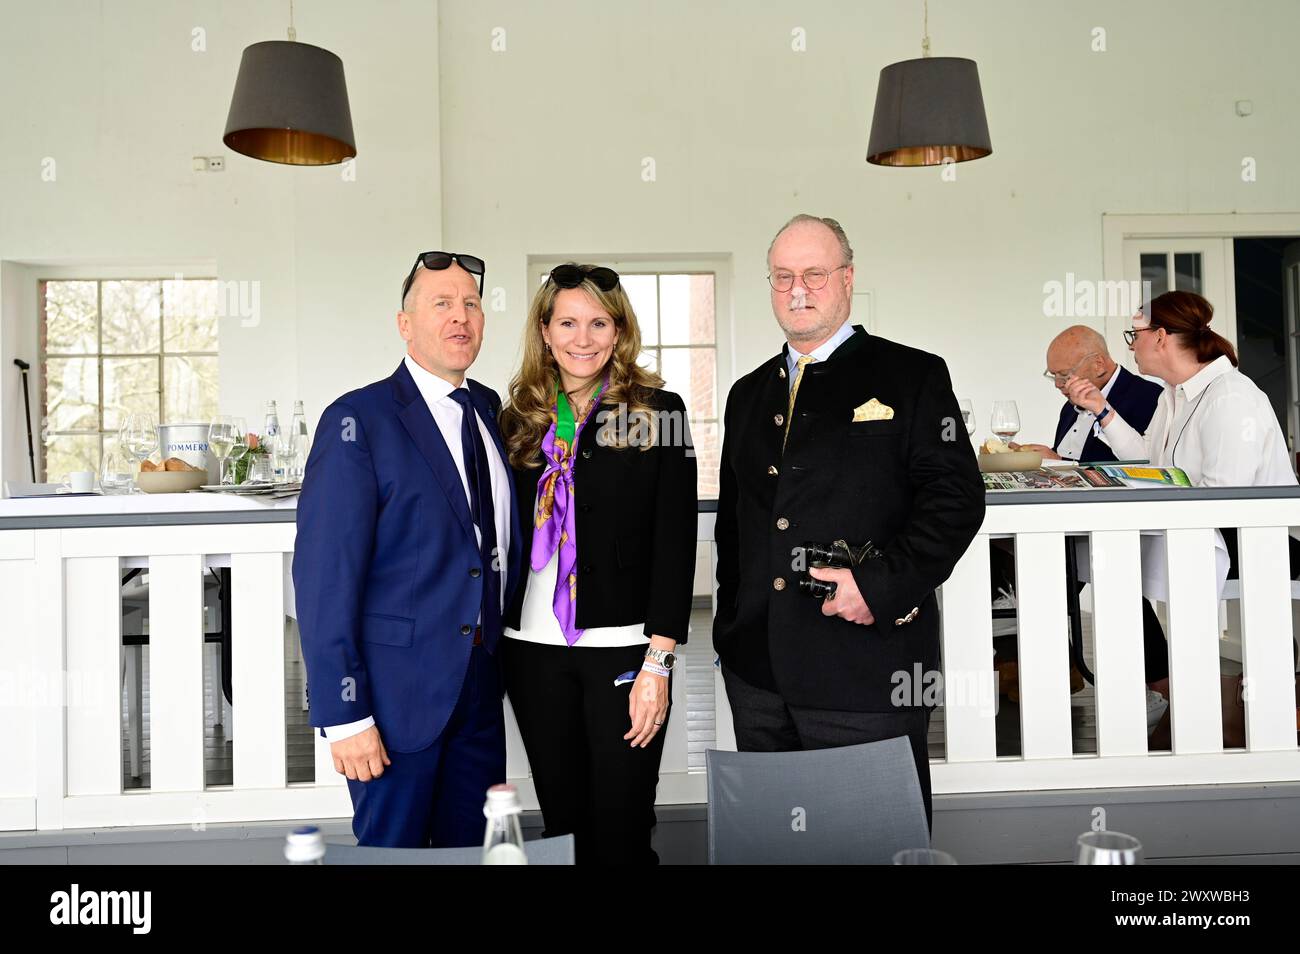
{"type": "Point", "coordinates": [1081, 351]}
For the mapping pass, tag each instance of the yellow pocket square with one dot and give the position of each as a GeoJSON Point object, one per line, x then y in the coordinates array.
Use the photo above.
{"type": "Point", "coordinates": [873, 410]}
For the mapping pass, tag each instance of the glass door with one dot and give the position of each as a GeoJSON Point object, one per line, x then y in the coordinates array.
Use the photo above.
{"type": "Point", "coordinates": [1200, 265]}
{"type": "Point", "coordinates": [1291, 297]}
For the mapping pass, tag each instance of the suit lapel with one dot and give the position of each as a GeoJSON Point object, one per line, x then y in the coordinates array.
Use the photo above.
{"type": "Point", "coordinates": [486, 412]}
{"type": "Point", "coordinates": [490, 418]}
{"type": "Point", "coordinates": [423, 430]}
{"type": "Point", "coordinates": [835, 386]}
{"type": "Point", "coordinates": [1119, 390]}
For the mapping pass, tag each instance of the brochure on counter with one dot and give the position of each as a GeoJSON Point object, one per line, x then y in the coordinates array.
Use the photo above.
{"type": "Point", "coordinates": [1088, 477]}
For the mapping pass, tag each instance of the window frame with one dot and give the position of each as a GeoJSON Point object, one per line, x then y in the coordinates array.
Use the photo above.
{"type": "Point", "coordinates": [100, 275]}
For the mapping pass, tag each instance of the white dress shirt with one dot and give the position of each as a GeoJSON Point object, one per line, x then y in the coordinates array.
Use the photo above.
{"type": "Point", "coordinates": [1071, 445]}
{"type": "Point", "coordinates": [1217, 426]}
{"type": "Point", "coordinates": [447, 415]}
{"type": "Point", "coordinates": [820, 353]}
{"type": "Point", "coordinates": [1220, 430]}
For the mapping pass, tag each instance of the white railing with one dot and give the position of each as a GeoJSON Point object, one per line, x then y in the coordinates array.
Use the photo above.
{"type": "Point", "coordinates": [61, 658]}
{"type": "Point", "coordinates": [1113, 527]}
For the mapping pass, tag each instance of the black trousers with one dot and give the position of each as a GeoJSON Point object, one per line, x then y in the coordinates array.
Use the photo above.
{"type": "Point", "coordinates": [590, 782]}
{"type": "Point", "coordinates": [766, 723]}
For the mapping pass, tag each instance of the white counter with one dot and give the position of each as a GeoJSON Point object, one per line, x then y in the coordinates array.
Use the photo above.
{"type": "Point", "coordinates": [153, 509]}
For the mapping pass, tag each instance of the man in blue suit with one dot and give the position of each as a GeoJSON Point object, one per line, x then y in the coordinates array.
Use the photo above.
{"type": "Point", "coordinates": [407, 533]}
{"type": "Point", "coordinates": [1080, 350]}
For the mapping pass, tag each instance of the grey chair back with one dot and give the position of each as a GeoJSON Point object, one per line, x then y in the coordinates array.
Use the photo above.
{"type": "Point", "coordinates": [541, 851]}
{"type": "Point", "coordinates": [859, 804]}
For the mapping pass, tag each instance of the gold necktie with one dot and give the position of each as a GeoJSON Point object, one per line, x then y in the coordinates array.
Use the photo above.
{"type": "Point", "coordinates": [803, 362]}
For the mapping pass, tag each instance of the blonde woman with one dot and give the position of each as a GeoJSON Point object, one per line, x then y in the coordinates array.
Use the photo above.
{"type": "Point", "coordinates": [605, 480]}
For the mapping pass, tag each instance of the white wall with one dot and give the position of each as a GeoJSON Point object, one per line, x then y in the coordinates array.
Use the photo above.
{"type": "Point", "coordinates": [114, 93]}
{"type": "Point", "coordinates": [543, 146]}
{"type": "Point", "coordinates": [537, 150]}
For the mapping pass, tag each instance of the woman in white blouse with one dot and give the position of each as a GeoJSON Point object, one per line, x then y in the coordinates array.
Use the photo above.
{"type": "Point", "coordinates": [1212, 421]}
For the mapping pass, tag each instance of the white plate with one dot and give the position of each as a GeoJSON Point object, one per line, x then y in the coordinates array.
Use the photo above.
{"type": "Point", "coordinates": [1012, 460]}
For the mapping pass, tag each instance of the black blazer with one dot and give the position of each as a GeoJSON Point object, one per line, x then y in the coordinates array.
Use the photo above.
{"type": "Point", "coordinates": [1133, 397]}
{"type": "Point", "coordinates": [909, 485]}
{"type": "Point", "coordinates": [635, 527]}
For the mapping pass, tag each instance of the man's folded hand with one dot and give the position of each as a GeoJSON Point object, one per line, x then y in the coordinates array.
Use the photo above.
{"type": "Point", "coordinates": [360, 757]}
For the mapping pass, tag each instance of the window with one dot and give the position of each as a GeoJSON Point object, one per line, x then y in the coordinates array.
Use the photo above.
{"type": "Point", "coordinates": [677, 312]}
{"type": "Point", "coordinates": [1186, 271]}
{"type": "Point", "coordinates": [110, 347]}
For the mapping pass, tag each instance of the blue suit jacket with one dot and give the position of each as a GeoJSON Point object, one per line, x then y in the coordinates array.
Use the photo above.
{"type": "Point", "coordinates": [1133, 397]}
{"type": "Point", "coordinates": [385, 561]}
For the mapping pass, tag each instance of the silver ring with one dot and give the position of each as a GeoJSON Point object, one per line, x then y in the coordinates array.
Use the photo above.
{"type": "Point", "coordinates": [658, 723]}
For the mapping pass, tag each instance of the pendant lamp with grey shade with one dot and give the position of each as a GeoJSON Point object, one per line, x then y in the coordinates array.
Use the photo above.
{"type": "Point", "coordinates": [928, 110]}
{"type": "Point", "coordinates": [291, 105]}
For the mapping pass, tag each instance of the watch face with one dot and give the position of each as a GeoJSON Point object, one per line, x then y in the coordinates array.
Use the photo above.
{"type": "Point", "coordinates": [670, 660]}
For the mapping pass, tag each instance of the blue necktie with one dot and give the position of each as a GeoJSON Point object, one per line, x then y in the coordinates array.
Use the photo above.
{"type": "Point", "coordinates": [478, 476]}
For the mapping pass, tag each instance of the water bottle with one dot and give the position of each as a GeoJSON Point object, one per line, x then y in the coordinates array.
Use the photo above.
{"type": "Point", "coordinates": [271, 438]}
{"type": "Point", "coordinates": [504, 842]}
{"type": "Point", "coordinates": [301, 442]}
{"type": "Point", "coordinates": [305, 846]}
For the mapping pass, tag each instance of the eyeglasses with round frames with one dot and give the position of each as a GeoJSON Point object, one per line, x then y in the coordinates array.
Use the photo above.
{"type": "Point", "coordinates": [812, 279]}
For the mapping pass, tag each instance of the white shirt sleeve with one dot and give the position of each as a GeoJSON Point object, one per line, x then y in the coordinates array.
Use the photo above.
{"type": "Point", "coordinates": [1232, 441]}
{"type": "Point", "coordinates": [337, 733]}
{"type": "Point", "coordinates": [1127, 443]}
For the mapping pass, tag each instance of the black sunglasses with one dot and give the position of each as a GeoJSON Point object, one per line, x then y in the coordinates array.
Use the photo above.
{"type": "Point", "coordinates": [437, 261]}
{"type": "Point", "coordinates": [571, 276]}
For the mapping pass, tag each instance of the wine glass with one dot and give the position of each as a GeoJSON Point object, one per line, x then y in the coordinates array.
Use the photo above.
{"type": "Point", "coordinates": [115, 477]}
{"type": "Point", "coordinates": [221, 440]}
{"type": "Point", "coordinates": [138, 436]}
{"type": "Point", "coordinates": [1006, 420]}
{"type": "Point", "coordinates": [286, 451]}
{"type": "Point", "coordinates": [967, 415]}
{"type": "Point", "coordinates": [1107, 848]}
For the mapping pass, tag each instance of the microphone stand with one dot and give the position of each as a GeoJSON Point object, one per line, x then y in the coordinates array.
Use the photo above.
{"type": "Point", "coordinates": [27, 407]}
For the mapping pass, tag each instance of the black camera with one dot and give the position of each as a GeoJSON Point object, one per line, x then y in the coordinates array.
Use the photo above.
{"type": "Point", "coordinates": [835, 554]}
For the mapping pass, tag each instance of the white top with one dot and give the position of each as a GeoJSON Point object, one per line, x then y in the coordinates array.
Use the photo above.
{"type": "Point", "coordinates": [1071, 445]}
{"type": "Point", "coordinates": [1217, 426]}
{"type": "Point", "coordinates": [447, 415]}
{"type": "Point", "coordinates": [537, 622]}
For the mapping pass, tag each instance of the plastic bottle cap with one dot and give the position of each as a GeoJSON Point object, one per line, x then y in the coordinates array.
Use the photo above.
{"type": "Point", "coordinates": [304, 844]}
{"type": "Point", "coordinates": [502, 800]}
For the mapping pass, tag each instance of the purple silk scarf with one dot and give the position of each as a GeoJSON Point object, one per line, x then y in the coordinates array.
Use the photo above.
{"type": "Point", "coordinates": [553, 520]}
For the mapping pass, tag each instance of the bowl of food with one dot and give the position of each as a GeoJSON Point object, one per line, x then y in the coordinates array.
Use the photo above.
{"type": "Point", "coordinates": [172, 476]}
{"type": "Point", "coordinates": [997, 457]}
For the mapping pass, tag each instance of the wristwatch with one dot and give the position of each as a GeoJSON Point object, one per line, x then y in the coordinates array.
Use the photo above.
{"type": "Point", "coordinates": [663, 657]}
{"type": "Point", "coordinates": [1102, 416]}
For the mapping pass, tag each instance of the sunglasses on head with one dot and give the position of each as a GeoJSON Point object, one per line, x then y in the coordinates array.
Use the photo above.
{"type": "Point", "coordinates": [571, 276]}
{"type": "Point", "coordinates": [437, 261]}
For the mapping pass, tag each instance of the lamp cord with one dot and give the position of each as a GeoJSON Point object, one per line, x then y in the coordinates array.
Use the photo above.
{"type": "Point", "coordinates": [925, 27]}
{"type": "Point", "coordinates": [293, 34]}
